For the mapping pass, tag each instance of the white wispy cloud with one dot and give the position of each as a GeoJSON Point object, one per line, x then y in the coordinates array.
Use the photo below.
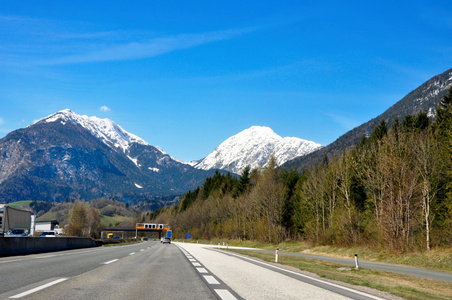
{"type": "Point", "coordinates": [146, 49]}
{"type": "Point", "coordinates": [345, 122]}
{"type": "Point", "coordinates": [105, 108]}
{"type": "Point", "coordinates": [2, 121]}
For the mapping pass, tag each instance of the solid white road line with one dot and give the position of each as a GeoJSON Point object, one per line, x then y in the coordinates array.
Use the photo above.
{"type": "Point", "coordinates": [211, 279]}
{"type": "Point", "coordinates": [110, 261]}
{"type": "Point", "coordinates": [37, 288]}
{"type": "Point", "coordinates": [225, 294]}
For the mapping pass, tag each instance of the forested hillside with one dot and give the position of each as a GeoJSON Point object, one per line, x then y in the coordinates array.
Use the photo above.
{"type": "Point", "coordinates": [391, 191]}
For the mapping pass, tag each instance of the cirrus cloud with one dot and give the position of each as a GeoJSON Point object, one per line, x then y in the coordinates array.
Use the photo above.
{"type": "Point", "coordinates": [145, 49]}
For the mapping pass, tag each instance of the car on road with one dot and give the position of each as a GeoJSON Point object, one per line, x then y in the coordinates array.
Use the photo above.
{"type": "Point", "coordinates": [49, 233]}
{"type": "Point", "coordinates": [15, 232]}
{"type": "Point", "coordinates": [166, 240]}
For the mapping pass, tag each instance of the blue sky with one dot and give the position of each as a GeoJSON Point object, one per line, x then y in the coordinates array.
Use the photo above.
{"type": "Point", "coordinates": [186, 75]}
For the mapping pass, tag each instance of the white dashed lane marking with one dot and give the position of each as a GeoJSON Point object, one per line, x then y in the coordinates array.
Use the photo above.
{"type": "Point", "coordinates": [202, 270]}
{"type": "Point", "coordinates": [110, 261]}
{"type": "Point", "coordinates": [223, 293]}
{"type": "Point", "coordinates": [211, 279]}
{"type": "Point", "coordinates": [37, 289]}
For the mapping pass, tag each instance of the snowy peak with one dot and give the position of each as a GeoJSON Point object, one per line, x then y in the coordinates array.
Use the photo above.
{"type": "Point", "coordinates": [106, 130]}
{"type": "Point", "coordinates": [253, 147]}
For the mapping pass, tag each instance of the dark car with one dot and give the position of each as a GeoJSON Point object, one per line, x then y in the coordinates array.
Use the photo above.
{"type": "Point", "coordinates": [166, 240]}
{"type": "Point", "coordinates": [17, 232]}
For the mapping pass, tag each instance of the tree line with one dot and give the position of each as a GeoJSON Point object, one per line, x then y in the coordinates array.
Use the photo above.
{"type": "Point", "coordinates": [391, 191]}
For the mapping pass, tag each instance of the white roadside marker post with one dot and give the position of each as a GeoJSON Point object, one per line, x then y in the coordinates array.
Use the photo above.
{"type": "Point", "coordinates": [276, 255]}
{"type": "Point", "coordinates": [356, 262]}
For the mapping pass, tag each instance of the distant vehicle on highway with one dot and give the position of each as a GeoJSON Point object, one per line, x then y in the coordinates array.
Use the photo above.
{"type": "Point", "coordinates": [15, 232]}
{"type": "Point", "coordinates": [166, 240]}
{"type": "Point", "coordinates": [49, 233]}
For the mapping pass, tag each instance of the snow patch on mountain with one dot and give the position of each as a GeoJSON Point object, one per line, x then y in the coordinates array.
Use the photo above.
{"type": "Point", "coordinates": [154, 169]}
{"type": "Point", "coordinates": [254, 146]}
{"type": "Point", "coordinates": [106, 130]}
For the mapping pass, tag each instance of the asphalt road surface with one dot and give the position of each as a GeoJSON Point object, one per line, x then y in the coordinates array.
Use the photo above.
{"type": "Point", "coordinates": [151, 270]}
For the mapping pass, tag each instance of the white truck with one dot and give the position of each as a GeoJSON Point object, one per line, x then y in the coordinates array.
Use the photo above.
{"type": "Point", "coordinates": [11, 218]}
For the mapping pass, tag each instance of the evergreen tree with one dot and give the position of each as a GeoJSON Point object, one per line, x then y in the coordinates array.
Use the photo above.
{"type": "Point", "coordinates": [243, 183]}
{"type": "Point", "coordinates": [379, 132]}
{"type": "Point", "coordinates": [290, 180]}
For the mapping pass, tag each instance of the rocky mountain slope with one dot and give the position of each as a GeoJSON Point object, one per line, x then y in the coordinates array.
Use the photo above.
{"type": "Point", "coordinates": [424, 98]}
{"type": "Point", "coordinates": [70, 156]}
{"type": "Point", "coordinates": [253, 147]}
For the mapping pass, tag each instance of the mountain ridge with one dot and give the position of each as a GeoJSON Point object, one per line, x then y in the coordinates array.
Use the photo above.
{"type": "Point", "coordinates": [253, 147]}
{"type": "Point", "coordinates": [66, 155]}
{"type": "Point", "coordinates": [425, 97]}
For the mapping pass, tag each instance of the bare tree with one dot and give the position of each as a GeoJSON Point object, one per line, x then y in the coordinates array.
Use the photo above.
{"type": "Point", "coordinates": [428, 167]}
{"type": "Point", "coordinates": [77, 220]}
{"type": "Point", "coordinates": [92, 222]}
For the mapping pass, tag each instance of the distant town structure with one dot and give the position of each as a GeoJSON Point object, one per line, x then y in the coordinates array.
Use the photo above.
{"type": "Point", "coordinates": [48, 225]}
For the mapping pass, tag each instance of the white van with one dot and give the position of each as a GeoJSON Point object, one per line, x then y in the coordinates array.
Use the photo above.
{"type": "Point", "coordinates": [49, 233]}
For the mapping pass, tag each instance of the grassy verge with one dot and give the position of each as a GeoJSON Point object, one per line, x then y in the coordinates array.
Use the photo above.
{"type": "Point", "coordinates": [400, 285]}
{"type": "Point", "coordinates": [437, 259]}
{"type": "Point", "coordinates": [19, 204]}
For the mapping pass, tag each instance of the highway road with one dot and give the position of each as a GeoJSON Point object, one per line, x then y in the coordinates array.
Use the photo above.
{"type": "Point", "coordinates": [151, 270]}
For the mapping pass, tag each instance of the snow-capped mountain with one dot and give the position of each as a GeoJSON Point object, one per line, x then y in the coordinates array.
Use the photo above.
{"type": "Point", "coordinates": [67, 156]}
{"type": "Point", "coordinates": [253, 147]}
{"type": "Point", "coordinates": [106, 130]}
